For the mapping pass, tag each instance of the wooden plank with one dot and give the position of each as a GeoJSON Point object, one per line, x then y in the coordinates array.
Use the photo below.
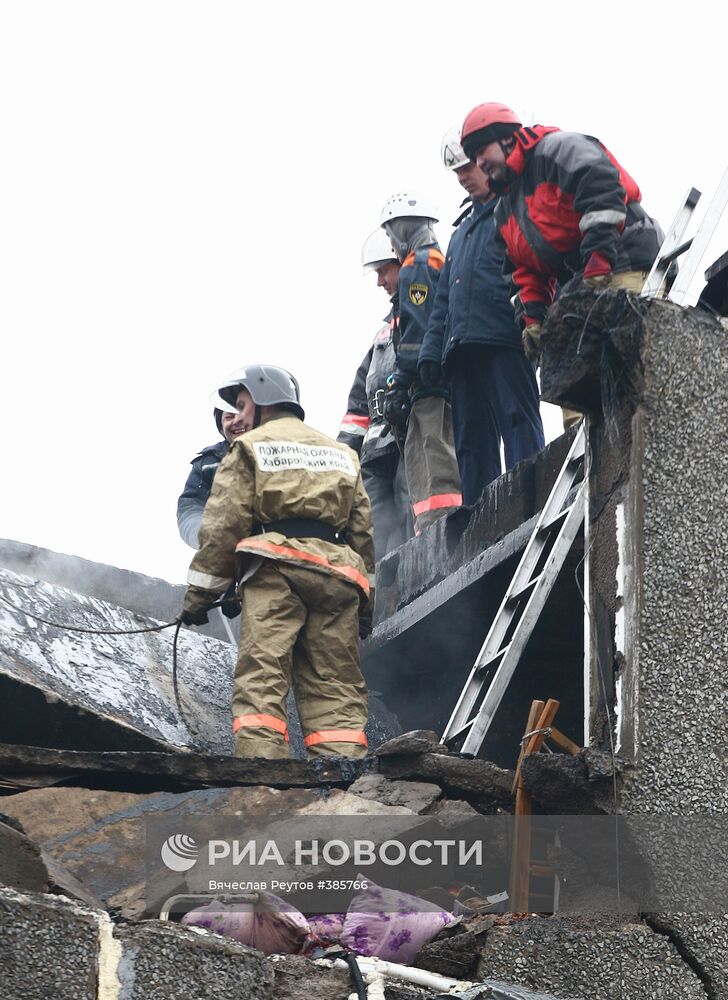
{"type": "Point", "coordinates": [563, 742]}
{"type": "Point", "coordinates": [521, 857]}
{"type": "Point", "coordinates": [535, 711]}
{"type": "Point", "coordinates": [544, 722]}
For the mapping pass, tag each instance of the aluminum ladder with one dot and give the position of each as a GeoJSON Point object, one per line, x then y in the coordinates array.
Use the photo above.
{"type": "Point", "coordinates": [524, 600]}
{"type": "Point", "coordinates": [694, 249]}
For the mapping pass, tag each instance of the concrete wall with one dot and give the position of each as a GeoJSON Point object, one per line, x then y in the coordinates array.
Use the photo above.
{"type": "Point", "coordinates": [653, 378]}
{"type": "Point", "coordinates": [51, 947]}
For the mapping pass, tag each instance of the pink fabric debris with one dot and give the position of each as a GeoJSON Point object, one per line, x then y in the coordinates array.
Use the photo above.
{"type": "Point", "coordinates": [391, 925]}
{"type": "Point", "coordinates": [271, 925]}
{"type": "Point", "coordinates": [327, 926]}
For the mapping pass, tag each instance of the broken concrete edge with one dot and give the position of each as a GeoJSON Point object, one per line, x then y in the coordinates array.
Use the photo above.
{"type": "Point", "coordinates": [141, 594]}
{"type": "Point", "coordinates": [102, 958]}
{"type": "Point", "coordinates": [93, 957]}
{"type": "Point", "coordinates": [450, 771]}
{"type": "Point", "coordinates": [588, 783]}
{"type": "Point", "coordinates": [695, 943]}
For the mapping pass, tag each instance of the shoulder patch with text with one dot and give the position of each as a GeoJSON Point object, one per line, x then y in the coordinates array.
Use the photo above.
{"type": "Point", "coordinates": [280, 456]}
{"type": "Point", "coordinates": [418, 293]}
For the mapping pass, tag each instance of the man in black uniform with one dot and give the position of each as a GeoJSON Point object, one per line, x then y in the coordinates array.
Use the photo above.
{"type": "Point", "coordinates": [422, 413]}
{"type": "Point", "coordinates": [364, 428]}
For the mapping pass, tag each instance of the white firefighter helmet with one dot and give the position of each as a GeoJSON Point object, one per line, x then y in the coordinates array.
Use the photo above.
{"type": "Point", "coordinates": [453, 155]}
{"type": "Point", "coordinates": [377, 250]}
{"type": "Point", "coordinates": [408, 206]}
{"type": "Point", "coordinates": [268, 385]}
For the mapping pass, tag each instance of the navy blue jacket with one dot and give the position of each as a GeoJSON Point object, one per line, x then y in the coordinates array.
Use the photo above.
{"type": "Point", "coordinates": [193, 498]}
{"type": "Point", "coordinates": [418, 280]}
{"type": "Point", "coordinates": [472, 303]}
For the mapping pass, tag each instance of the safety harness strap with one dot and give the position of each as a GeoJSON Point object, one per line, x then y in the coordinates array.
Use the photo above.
{"type": "Point", "coordinates": [301, 527]}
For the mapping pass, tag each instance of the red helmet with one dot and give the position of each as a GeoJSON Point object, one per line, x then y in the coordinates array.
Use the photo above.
{"type": "Point", "coordinates": [487, 123]}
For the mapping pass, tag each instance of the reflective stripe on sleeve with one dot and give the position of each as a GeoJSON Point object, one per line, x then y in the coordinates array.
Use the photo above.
{"type": "Point", "coordinates": [261, 721]}
{"type": "Point", "coordinates": [354, 429]}
{"type": "Point", "coordinates": [336, 736]}
{"type": "Point", "coordinates": [607, 217]}
{"type": "Point", "coordinates": [361, 420]}
{"type": "Point", "coordinates": [437, 502]}
{"type": "Point", "coordinates": [206, 582]}
{"type": "Point", "coordinates": [263, 547]}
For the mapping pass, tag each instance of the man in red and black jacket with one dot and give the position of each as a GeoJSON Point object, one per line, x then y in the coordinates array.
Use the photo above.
{"type": "Point", "coordinates": [567, 211]}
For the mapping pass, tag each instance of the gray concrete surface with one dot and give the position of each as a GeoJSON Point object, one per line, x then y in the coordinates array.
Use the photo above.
{"type": "Point", "coordinates": [679, 520]}
{"type": "Point", "coordinates": [589, 962]}
{"type": "Point", "coordinates": [49, 947]}
{"type": "Point", "coordinates": [161, 961]}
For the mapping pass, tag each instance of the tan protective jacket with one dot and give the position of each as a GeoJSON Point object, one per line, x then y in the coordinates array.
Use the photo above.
{"type": "Point", "coordinates": [283, 469]}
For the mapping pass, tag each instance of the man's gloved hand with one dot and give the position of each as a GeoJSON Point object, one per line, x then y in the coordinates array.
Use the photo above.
{"type": "Point", "coordinates": [531, 341]}
{"type": "Point", "coordinates": [194, 617]}
{"type": "Point", "coordinates": [230, 602]}
{"type": "Point", "coordinates": [396, 404]}
{"type": "Point", "coordinates": [431, 374]}
{"type": "Point", "coordinates": [597, 280]}
{"type": "Point", "coordinates": [230, 607]}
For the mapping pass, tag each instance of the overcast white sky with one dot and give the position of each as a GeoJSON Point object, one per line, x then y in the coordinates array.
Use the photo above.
{"type": "Point", "coordinates": [186, 188]}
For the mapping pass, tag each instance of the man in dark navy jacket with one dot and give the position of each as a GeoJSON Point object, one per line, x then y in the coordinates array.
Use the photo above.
{"type": "Point", "coordinates": [193, 498]}
{"type": "Point", "coordinates": [473, 341]}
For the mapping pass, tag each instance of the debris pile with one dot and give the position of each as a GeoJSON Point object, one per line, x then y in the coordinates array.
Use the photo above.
{"type": "Point", "coordinates": [94, 751]}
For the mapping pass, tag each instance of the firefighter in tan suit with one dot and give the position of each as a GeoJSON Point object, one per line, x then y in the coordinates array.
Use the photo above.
{"type": "Point", "coordinates": [289, 518]}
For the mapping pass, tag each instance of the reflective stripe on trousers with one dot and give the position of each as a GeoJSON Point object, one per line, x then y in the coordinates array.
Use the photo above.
{"type": "Point", "coordinates": [259, 721]}
{"type": "Point", "coordinates": [437, 503]}
{"type": "Point", "coordinates": [336, 736]}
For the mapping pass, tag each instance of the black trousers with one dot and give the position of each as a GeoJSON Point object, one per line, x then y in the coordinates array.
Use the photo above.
{"type": "Point", "coordinates": [494, 399]}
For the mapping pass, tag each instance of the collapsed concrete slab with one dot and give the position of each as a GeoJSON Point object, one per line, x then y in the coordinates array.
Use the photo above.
{"type": "Point", "coordinates": [24, 767]}
{"type": "Point", "coordinates": [91, 691]}
{"type": "Point", "coordinates": [21, 866]}
{"type": "Point", "coordinates": [99, 836]}
{"type": "Point", "coordinates": [107, 692]}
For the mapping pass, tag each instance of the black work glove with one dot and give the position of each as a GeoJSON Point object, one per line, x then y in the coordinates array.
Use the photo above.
{"type": "Point", "coordinates": [431, 374]}
{"type": "Point", "coordinates": [230, 603]}
{"type": "Point", "coordinates": [397, 405]}
{"type": "Point", "coordinates": [194, 617]}
{"type": "Point", "coordinates": [230, 607]}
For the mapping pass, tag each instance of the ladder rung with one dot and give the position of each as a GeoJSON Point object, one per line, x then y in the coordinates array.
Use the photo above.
{"type": "Point", "coordinates": [541, 869]}
{"type": "Point", "coordinates": [493, 659]}
{"type": "Point", "coordinates": [557, 519]}
{"type": "Point", "coordinates": [674, 254]}
{"type": "Point", "coordinates": [463, 729]}
{"type": "Point", "coordinates": [522, 591]}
